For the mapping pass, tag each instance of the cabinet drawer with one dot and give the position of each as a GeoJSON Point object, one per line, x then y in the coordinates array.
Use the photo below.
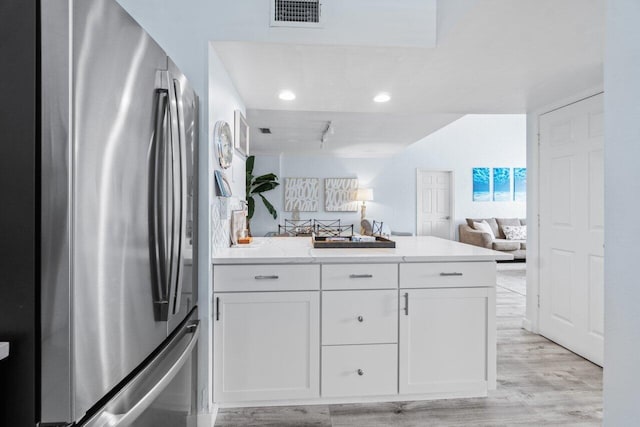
{"type": "Point", "coordinates": [236, 278]}
{"type": "Point", "coordinates": [447, 274]}
{"type": "Point", "coordinates": [360, 276]}
{"type": "Point", "coordinates": [360, 370]}
{"type": "Point", "coordinates": [359, 317]}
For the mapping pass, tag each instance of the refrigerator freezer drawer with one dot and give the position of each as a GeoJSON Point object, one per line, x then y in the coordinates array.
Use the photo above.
{"type": "Point", "coordinates": [163, 393]}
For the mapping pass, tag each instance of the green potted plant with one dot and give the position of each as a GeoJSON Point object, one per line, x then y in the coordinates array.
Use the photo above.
{"type": "Point", "coordinates": [256, 185]}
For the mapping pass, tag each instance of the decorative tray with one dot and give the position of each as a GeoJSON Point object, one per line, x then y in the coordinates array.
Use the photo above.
{"type": "Point", "coordinates": [337, 242]}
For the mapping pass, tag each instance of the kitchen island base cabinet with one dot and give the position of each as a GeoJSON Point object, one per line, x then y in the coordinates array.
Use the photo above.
{"type": "Point", "coordinates": [266, 346]}
{"type": "Point", "coordinates": [294, 325]}
{"type": "Point", "coordinates": [359, 370]}
{"type": "Point", "coordinates": [447, 340]}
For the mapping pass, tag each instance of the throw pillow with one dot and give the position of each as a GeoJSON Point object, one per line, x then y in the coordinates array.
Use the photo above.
{"type": "Point", "coordinates": [513, 232]}
{"type": "Point", "coordinates": [484, 227]}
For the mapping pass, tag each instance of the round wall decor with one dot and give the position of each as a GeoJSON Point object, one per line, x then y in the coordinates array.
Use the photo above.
{"type": "Point", "coordinates": [223, 141]}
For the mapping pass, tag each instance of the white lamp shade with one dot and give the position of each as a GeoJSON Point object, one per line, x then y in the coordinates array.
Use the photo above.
{"type": "Point", "coordinates": [364, 194]}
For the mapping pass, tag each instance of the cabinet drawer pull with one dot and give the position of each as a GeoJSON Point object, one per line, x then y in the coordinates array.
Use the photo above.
{"type": "Point", "coordinates": [406, 303]}
{"type": "Point", "coordinates": [360, 276]}
{"type": "Point", "coordinates": [451, 274]}
{"type": "Point", "coordinates": [273, 277]}
{"type": "Point", "coordinates": [360, 319]}
{"type": "Point", "coordinates": [360, 372]}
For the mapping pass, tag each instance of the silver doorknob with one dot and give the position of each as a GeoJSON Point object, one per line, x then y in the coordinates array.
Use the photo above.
{"type": "Point", "coordinates": [360, 319]}
{"type": "Point", "coordinates": [360, 372]}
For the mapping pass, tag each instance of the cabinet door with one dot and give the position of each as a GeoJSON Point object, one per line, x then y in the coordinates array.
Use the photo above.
{"type": "Point", "coordinates": [266, 346]}
{"type": "Point", "coordinates": [447, 340]}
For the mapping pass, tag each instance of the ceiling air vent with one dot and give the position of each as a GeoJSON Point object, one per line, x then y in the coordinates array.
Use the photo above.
{"type": "Point", "coordinates": [295, 13]}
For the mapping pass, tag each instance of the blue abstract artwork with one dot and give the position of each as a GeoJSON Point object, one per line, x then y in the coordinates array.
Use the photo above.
{"type": "Point", "coordinates": [519, 184]}
{"type": "Point", "coordinates": [501, 184]}
{"type": "Point", "coordinates": [481, 184]}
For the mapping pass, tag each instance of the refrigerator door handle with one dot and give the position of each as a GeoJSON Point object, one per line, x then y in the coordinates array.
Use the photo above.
{"type": "Point", "coordinates": [176, 201]}
{"type": "Point", "coordinates": [109, 415]}
{"type": "Point", "coordinates": [157, 198]}
{"type": "Point", "coordinates": [182, 195]}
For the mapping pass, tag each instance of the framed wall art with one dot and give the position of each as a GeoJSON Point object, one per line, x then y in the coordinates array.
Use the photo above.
{"type": "Point", "coordinates": [501, 184]}
{"type": "Point", "coordinates": [481, 184]}
{"type": "Point", "coordinates": [340, 194]}
{"type": "Point", "coordinates": [519, 184]}
{"type": "Point", "coordinates": [301, 194]}
{"type": "Point", "coordinates": [241, 136]}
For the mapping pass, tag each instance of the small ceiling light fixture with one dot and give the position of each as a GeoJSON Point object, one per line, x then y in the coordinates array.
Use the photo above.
{"type": "Point", "coordinates": [382, 97]}
{"type": "Point", "coordinates": [287, 95]}
{"type": "Point", "coordinates": [329, 130]}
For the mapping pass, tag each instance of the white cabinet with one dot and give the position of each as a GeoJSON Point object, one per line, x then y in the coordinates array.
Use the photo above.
{"type": "Point", "coordinates": [359, 370]}
{"type": "Point", "coordinates": [447, 340]}
{"type": "Point", "coordinates": [359, 276]}
{"type": "Point", "coordinates": [266, 346]}
{"type": "Point", "coordinates": [359, 317]}
{"type": "Point", "coordinates": [265, 277]}
{"type": "Point", "coordinates": [389, 331]}
{"type": "Point", "coordinates": [447, 274]}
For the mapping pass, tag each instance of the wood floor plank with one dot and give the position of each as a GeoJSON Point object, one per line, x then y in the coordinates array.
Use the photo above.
{"type": "Point", "coordinates": [277, 416]}
{"type": "Point", "coordinates": [539, 384]}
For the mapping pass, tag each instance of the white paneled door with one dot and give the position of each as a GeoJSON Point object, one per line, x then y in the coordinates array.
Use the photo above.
{"type": "Point", "coordinates": [572, 227]}
{"type": "Point", "coordinates": [435, 203]}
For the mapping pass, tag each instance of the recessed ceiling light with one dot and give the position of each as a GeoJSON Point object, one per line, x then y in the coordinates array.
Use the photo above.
{"type": "Point", "coordinates": [287, 95]}
{"type": "Point", "coordinates": [382, 97]}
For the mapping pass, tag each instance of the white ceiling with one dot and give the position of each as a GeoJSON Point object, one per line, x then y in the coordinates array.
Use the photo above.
{"type": "Point", "coordinates": [492, 56]}
{"type": "Point", "coordinates": [355, 134]}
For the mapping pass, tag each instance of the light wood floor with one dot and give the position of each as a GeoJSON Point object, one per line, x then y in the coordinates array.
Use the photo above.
{"type": "Point", "coordinates": [539, 383]}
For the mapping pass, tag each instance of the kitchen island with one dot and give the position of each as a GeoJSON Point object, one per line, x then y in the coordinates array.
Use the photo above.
{"type": "Point", "coordinates": [299, 325]}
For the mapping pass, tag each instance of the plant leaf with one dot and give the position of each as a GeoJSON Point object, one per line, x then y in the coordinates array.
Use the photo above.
{"type": "Point", "coordinates": [251, 207]}
{"type": "Point", "coordinates": [265, 186]}
{"type": "Point", "coordinates": [269, 207]}
{"type": "Point", "coordinates": [266, 177]}
{"type": "Point", "coordinates": [249, 164]}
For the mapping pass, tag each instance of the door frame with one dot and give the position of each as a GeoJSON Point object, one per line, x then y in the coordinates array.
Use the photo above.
{"type": "Point", "coordinates": [452, 193]}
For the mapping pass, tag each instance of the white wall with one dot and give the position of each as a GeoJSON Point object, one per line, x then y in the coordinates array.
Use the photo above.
{"type": "Point", "coordinates": [224, 99]}
{"type": "Point", "coordinates": [622, 184]}
{"type": "Point", "coordinates": [472, 141]}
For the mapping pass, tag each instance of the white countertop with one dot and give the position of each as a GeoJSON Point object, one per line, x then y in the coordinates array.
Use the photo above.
{"type": "Point", "coordinates": [4, 350]}
{"type": "Point", "coordinates": [299, 250]}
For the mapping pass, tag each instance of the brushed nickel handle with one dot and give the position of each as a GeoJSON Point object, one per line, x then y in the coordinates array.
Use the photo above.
{"type": "Point", "coordinates": [451, 274]}
{"type": "Point", "coordinates": [360, 319]}
{"type": "Point", "coordinates": [406, 303]}
{"type": "Point", "coordinates": [360, 276]}
{"type": "Point", "coordinates": [273, 277]}
{"type": "Point", "coordinates": [217, 308]}
{"type": "Point", "coordinates": [360, 372]}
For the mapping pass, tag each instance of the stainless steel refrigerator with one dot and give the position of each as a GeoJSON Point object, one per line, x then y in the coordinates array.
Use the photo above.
{"type": "Point", "coordinates": [119, 319]}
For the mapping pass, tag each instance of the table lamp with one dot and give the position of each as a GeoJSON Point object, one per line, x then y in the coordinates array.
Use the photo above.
{"type": "Point", "coordinates": [364, 195]}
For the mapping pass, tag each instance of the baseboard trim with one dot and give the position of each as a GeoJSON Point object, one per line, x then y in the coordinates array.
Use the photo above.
{"type": "Point", "coordinates": [475, 390]}
{"type": "Point", "coordinates": [207, 419]}
{"type": "Point", "coordinates": [527, 325]}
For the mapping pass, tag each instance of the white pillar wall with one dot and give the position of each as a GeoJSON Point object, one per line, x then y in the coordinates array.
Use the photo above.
{"type": "Point", "coordinates": [622, 187]}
